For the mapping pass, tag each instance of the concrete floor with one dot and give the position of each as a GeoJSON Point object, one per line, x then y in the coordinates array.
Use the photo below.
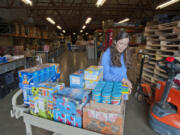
{"type": "Point", "coordinates": [136, 121]}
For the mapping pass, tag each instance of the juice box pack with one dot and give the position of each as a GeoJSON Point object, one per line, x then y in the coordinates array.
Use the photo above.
{"type": "Point", "coordinates": [77, 79]}
{"type": "Point", "coordinates": [68, 105]}
{"type": "Point", "coordinates": [31, 77]}
{"type": "Point", "coordinates": [89, 84]}
{"type": "Point", "coordinates": [92, 75]}
{"type": "Point", "coordinates": [41, 99]}
{"type": "Point", "coordinates": [40, 73]}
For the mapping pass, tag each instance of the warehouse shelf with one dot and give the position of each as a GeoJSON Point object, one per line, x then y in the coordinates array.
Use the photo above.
{"type": "Point", "coordinates": [24, 36]}
{"type": "Point", "coordinates": [12, 65]}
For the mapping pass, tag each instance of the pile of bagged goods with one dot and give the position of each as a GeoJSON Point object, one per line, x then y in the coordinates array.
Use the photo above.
{"type": "Point", "coordinates": [89, 102]}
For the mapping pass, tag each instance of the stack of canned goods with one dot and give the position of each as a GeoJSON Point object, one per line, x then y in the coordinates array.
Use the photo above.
{"type": "Point", "coordinates": [109, 92]}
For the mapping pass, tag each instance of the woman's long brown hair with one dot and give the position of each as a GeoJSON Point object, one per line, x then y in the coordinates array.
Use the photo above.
{"type": "Point", "coordinates": [115, 55]}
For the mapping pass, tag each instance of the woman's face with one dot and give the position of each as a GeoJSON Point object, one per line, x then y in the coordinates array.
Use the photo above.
{"type": "Point", "coordinates": [122, 44]}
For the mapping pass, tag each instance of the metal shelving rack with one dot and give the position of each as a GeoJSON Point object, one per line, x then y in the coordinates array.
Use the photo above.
{"type": "Point", "coordinates": [12, 65]}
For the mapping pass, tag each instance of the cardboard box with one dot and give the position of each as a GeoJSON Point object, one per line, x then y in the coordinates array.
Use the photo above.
{"type": "Point", "coordinates": [68, 105]}
{"type": "Point", "coordinates": [41, 99]}
{"type": "Point", "coordinates": [41, 106]}
{"type": "Point", "coordinates": [77, 79]}
{"type": "Point", "coordinates": [104, 118]}
{"type": "Point", "coordinates": [32, 77]}
{"type": "Point", "coordinates": [40, 73]}
{"type": "Point", "coordinates": [19, 50]}
{"type": "Point", "coordinates": [89, 84]}
{"type": "Point", "coordinates": [93, 73]}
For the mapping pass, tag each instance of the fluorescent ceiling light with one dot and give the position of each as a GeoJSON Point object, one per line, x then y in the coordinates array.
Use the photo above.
{"type": "Point", "coordinates": [100, 2]}
{"type": "Point", "coordinates": [167, 4]}
{"type": "Point", "coordinates": [59, 27]}
{"type": "Point", "coordinates": [125, 20]}
{"type": "Point", "coordinates": [50, 20]}
{"type": "Point", "coordinates": [27, 2]}
{"type": "Point", "coordinates": [88, 20]}
{"type": "Point", "coordinates": [64, 31]}
{"type": "Point", "coordinates": [81, 31]}
{"type": "Point", "coordinates": [84, 27]}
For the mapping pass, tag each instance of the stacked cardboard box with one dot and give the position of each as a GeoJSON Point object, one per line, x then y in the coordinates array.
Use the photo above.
{"type": "Point", "coordinates": [41, 98]}
{"type": "Point", "coordinates": [31, 77]}
{"type": "Point", "coordinates": [104, 118]}
{"type": "Point", "coordinates": [92, 75]}
{"type": "Point", "coordinates": [68, 105]}
{"type": "Point", "coordinates": [77, 79]}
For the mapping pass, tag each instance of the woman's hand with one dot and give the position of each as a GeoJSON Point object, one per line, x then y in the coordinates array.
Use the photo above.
{"type": "Point", "coordinates": [128, 83]}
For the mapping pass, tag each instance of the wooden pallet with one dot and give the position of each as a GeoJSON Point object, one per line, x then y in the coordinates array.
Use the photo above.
{"type": "Point", "coordinates": [148, 70]}
{"type": "Point", "coordinates": [161, 43]}
{"type": "Point", "coordinates": [149, 66]}
{"type": "Point", "coordinates": [153, 42]}
{"type": "Point", "coordinates": [168, 37]}
{"type": "Point", "coordinates": [150, 50]}
{"type": "Point", "coordinates": [147, 76]}
{"type": "Point", "coordinates": [148, 80]}
{"type": "Point", "coordinates": [149, 33]}
{"type": "Point", "coordinates": [170, 47]}
{"type": "Point", "coordinates": [157, 77]}
{"type": "Point", "coordinates": [169, 43]}
{"type": "Point", "coordinates": [168, 32]}
{"type": "Point", "coordinates": [153, 39]}
{"type": "Point", "coordinates": [156, 47]}
{"type": "Point", "coordinates": [160, 73]}
{"type": "Point", "coordinates": [151, 28]}
{"type": "Point", "coordinates": [168, 25]}
{"type": "Point", "coordinates": [167, 53]}
{"type": "Point", "coordinates": [161, 70]}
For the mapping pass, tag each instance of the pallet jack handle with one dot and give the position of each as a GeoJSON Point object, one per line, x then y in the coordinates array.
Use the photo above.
{"type": "Point", "coordinates": [171, 66]}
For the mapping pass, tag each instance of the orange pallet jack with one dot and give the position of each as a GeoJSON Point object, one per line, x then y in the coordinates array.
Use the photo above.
{"type": "Point", "coordinates": [164, 114]}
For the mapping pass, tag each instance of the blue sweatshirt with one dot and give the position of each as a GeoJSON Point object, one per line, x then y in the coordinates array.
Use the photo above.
{"type": "Point", "coordinates": [113, 73]}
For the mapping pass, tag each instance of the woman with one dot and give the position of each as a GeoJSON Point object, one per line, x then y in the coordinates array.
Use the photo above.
{"type": "Point", "coordinates": [113, 60]}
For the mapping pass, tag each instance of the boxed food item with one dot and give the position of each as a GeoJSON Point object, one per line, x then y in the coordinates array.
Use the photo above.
{"type": "Point", "coordinates": [26, 92]}
{"type": "Point", "coordinates": [89, 84]}
{"type": "Point", "coordinates": [77, 79]}
{"type": "Point", "coordinates": [68, 105]}
{"type": "Point", "coordinates": [41, 99]}
{"type": "Point", "coordinates": [41, 106]}
{"type": "Point", "coordinates": [104, 118]}
{"type": "Point", "coordinates": [93, 73]}
{"type": "Point", "coordinates": [40, 73]}
{"type": "Point", "coordinates": [32, 77]}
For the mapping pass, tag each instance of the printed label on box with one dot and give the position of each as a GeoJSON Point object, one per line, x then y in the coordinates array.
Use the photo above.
{"type": "Point", "coordinates": [41, 104]}
{"type": "Point", "coordinates": [112, 117]}
{"type": "Point", "coordinates": [101, 116]}
{"type": "Point", "coordinates": [75, 80]}
{"type": "Point", "coordinates": [91, 113]}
